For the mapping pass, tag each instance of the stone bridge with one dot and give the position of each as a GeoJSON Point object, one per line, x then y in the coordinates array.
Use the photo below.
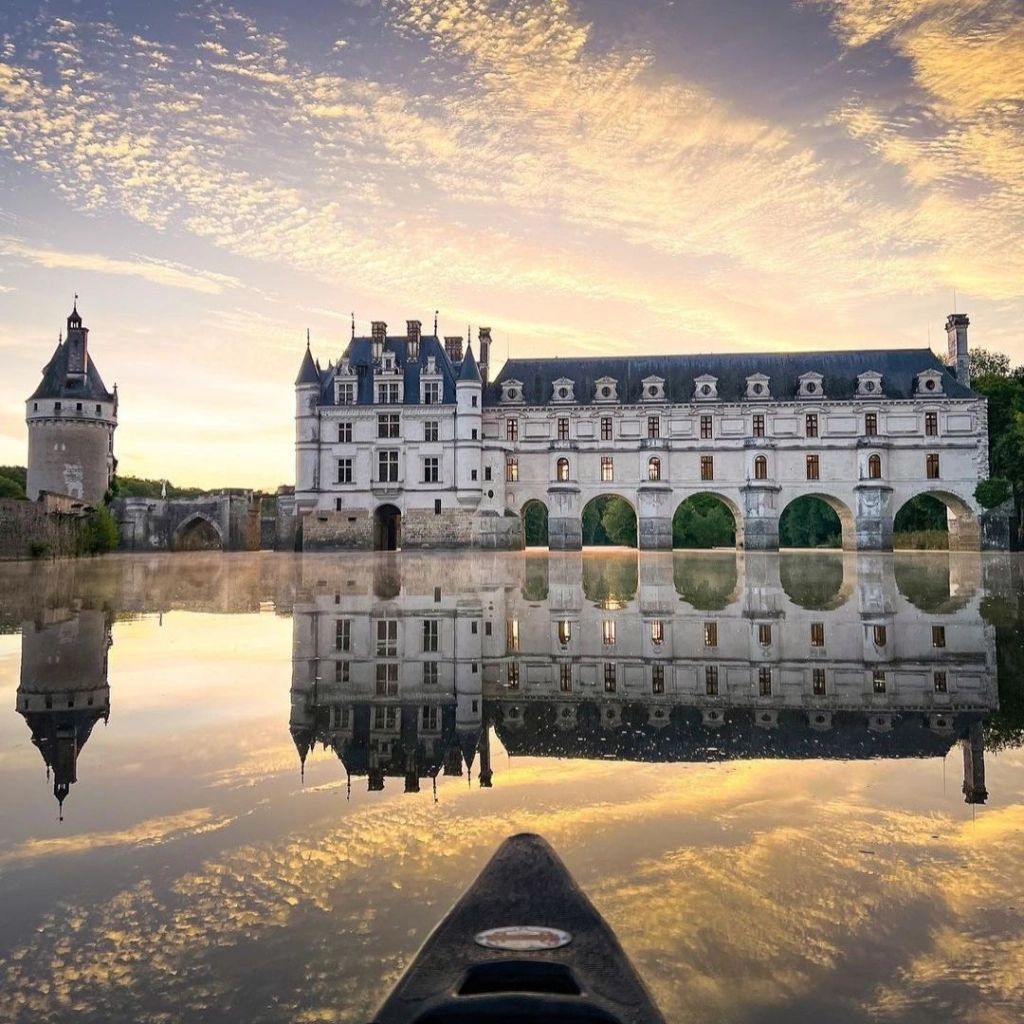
{"type": "Point", "coordinates": [227, 521]}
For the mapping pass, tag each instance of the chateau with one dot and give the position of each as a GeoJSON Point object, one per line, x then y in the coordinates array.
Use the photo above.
{"type": "Point", "coordinates": [407, 442]}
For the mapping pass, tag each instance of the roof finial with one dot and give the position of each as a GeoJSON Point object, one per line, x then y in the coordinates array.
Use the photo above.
{"type": "Point", "coordinates": [307, 337]}
{"type": "Point", "coordinates": [75, 304]}
{"type": "Point", "coordinates": [435, 322]}
{"type": "Point", "coordinates": [353, 324]}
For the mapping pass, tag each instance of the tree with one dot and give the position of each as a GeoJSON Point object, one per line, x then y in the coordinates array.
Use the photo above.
{"type": "Point", "coordinates": [809, 523]}
{"type": "Point", "coordinates": [535, 524]}
{"type": "Point", "coordinates": [11, 488]}
{"type": "Point", "coordinates": [988, 364]}
{"type": "Point", "coordinates": [102, 534]}
{"type": "Point", "coordinates": [619, 522]}
{"type": "Point", "coordinates": [992, 492]}
{"type": "Point", "coordinates": [703, 521]}
{"type": "Point", "coordinates": [921, 513]}
{"type": "Point", "coordinates": [593, 528]}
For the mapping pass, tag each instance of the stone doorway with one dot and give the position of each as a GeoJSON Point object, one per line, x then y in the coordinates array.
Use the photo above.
{"type": "Point", "coordinates": [387, 528]}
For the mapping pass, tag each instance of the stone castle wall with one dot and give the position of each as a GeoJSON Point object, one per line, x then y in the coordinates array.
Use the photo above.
{"type": "Point", "coordinates": [68, 458]}
{"type": "Point", "coordinates": [44, 528]}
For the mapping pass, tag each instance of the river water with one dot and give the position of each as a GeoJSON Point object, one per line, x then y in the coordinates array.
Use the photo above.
{"type": "Point", "coordinates": [245, 787]}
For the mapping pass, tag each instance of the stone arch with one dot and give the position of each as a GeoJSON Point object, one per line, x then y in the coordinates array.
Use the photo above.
{"type": "Point", "coordinates": [701, 497]}
{"type": "Point", "coordinates": [387, 528]}
{"type": "Point", "coordinates": [847, 522]}
{"type": "Point", "coordinates": [962, 522]}
{"type": "Point", "coordinates": [534, 517]}
{"type": "Point", "coordinates": [590, 530]}
{"type": "Point", "coordinates": [198, 532]}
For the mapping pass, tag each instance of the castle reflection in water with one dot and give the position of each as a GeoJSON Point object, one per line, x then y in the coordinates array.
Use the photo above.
{"type": "Point", "coordinates": [406, 666]}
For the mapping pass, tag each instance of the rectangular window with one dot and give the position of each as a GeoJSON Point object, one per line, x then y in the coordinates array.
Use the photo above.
{"type": "Point", "coordinates": [813, 467]}
{"type": "Point", "coordinates": [606, 428]}
{"type": "Point", "coordinates": [818, 682]}
{"type": "Point", "coordinates": [512, 635]}
{"type": "Point", "coordinates": [817, 634]}
{"type": "Point", "coordinates": [487, 472]}
{"type": "Point", "coordinates": [511, 470]}
{"type": "Point", "coordinates": [608, 632]}
{"type": "Point", "coordinates": [764, 634]}
{"type": "Point", "coordinates": [437, 506]}
{"type": "Point", "coordinates": [654, 426]}
{"type": "Point", "coordinates": [432, 392]}
{"type": "Point", "coordinates": [341, 671]}
{"type": "Point", "coordinates": [707, 430]}
{"type": "Point", "coordinates": [384, 718]}
{"type": "Point", "coordinates": [437, 595]}
{"type": "Point", "coordinates": [938, 636]}
{"type": "Point", "coordinates": [343, 635]}
{"type": "Point", "coordinates": [387, 424]}
{"type": "Point", "coordinates": [879, 635]}
{"type": "Point", "coordinates": [387, 638]}
{"type": "Point", "coordinates": [513, 675]}
{"type": "Point", "coordinates": [56, 406]}
{"type": "Point", "coordinates": [389, 393]}
{"type": "Point", "coordinates": [565, 677]}
{"type": "Point", "coordinates": [430, 673]}
{"type": "Point", "coordinates": [811, 424]}
{"type": "Point", "coordinates": [387, 467]}
{"type": "Point", "coordinates": [711, 680]}
{"type": "Point", "coordinates": [97, 410]}
{"type": "Point", "coordinates": [710, 634]}
{"type": "Point", "coordinates": [511, 430]}
{"type": "Point", "coordinates": [563, 428]}
{"type": "Point", "coordinates": [932, 466]}
{"type": "Point", "coordinates": [931, 424]}
{"type": "Point", "coordinates": [472, 474]}
{"type": "Point", "coordinates": [344, 471]}
{"type": "Point", "coordinates": [387, 679]}
{"type": "Point", "coordinates": [707, 467]}
{"type": "Point", "coordinates": [657, 679]}
{"type": "Point", "coordinates": [758, 429]}
{"type": "Point", "coordinates": [487, 629]}
{"type": "Point", "coordinates": [430, 430]}
{"type": "Point", "coordinates": [430, 717]}
{"type": "Point", "coordinates": [764, 681]}
{"type": "Point", "coordinates": [657, 632]}
{"type": "Point", "coordinates": [878, 680]}
{"type": "Point", "coordinates": [431, 470]}
{"type": "Point", "coordinates": [338, 504]}
{"type": "Point", "coordinates": [347, 393]}
{"type": "Point", "coordinates": [871, 424]}
{"type": "Point", "coordinates": [607, 469]}
{"type": "Point", "coordinates": [430, 636]}
{"type": "Point", "coordinates": [609, 677]}
{"type": "Point", "coordinates": [345, 433]}
{"type": "Point", "coordinates": [939, 681]}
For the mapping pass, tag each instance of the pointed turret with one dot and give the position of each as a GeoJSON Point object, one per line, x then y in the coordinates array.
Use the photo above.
{"type": "Point", "coordinates": [308, 373]}
{"type": "Point", "coordinates": [469, 371]}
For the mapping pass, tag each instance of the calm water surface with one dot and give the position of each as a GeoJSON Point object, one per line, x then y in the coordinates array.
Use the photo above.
{"type": "Point", "coordinates": [245, 787]}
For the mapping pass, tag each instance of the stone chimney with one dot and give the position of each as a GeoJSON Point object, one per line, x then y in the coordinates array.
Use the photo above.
{"type": "Point", "coordinates": [958, 359]}
{"type": "Point", "coordinates": [412, 341]}
{"type": "Point", "coordinates": [484, 344]}
{"type": "Point", "coordinates": [378, 335]}
{"type": "Point", "coordinates": [453, 346]}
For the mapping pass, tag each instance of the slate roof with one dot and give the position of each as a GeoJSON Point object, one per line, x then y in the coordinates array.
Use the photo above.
{"type": "Point", "coordinates": [308, 372]}
{"type": "Point", "coordinates": [469, 370]}
{"type": "Point", "coordinates": [898, 367]}
{"type": "Point", "coordinates": [57, 384]}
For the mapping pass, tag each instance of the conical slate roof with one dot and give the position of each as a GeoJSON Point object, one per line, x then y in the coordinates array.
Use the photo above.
{"type": "Point", "coordinates": [469, 370]}
{"type": "Point", "coordinates": [57, 384]}
{"type": "Point", "coordinates": [308, 373]}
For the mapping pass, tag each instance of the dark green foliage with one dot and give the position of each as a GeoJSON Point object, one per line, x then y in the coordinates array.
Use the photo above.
{"type": "Point", "coordinates": [703, 521]}
{"type": "Point", "coordinates": [16, 473]}
{"type": "Point", "coordinates": [707, 582]}
{"type": "Point", "coordinates": [10, 488]}
{"type": "Point", "coordinates": [921, 513]}
{"type": "Point", "coordinates": [814, 582]}
{"type": "Point", "coordinates": [535, 524]}
{"type": "Point", "coordinates": [102, 534]}
{"type": "Point", "coordinates": [609, 520]}
{"type": "Point", "coordinates": [593, 529]}
{"type": "Point", "coordinates": [992, 492]}
{"type": "Point", "coordinates": [1005, 729]}
{"type": "Point", "coordinates": [610, 582]}
{"type": "Point", "coordinates": [140, 487]}
{"type": "Point", "coordinates": [988, 364]}
{"type": "Point", "coordinates": [809, 523]}
{"type": "Point", "coordinates": [39, 548]}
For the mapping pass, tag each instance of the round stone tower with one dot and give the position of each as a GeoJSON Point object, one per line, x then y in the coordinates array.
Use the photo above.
{"type": "Point", "coordinates": [71, 421]}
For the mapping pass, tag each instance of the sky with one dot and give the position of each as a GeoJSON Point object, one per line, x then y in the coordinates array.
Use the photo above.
{"type": "Point", "coordinates": [583, 176]}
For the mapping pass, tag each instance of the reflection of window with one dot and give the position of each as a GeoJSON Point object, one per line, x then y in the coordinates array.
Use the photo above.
{"type": "Point", "coordinates": [706, 428]}
{"type": "Point", "coordinates": [707, 467]}
{"type": "Point", "coordinates": [430, 635]}
{"type": "Point", "coordinates": [564, 632]}
{"type": "Point", "coordinates": [764, 681]}
{"type": "Point", "coordinates": [938, 636]}
{"type": "Point", "coordinates": [387, 638]}
{"type": "Point", "coordinates": [513, 675]}
{"type": "Point", "coordinates": [811, 424]}
{"type": "Point", "coordinates": [931, 424]}
{"type": "Point", "coordinates": [562, 470]}
{"type": "Point", "coordinates": [512, 634]}
{"type": "Point", "coordinates": [343, 635]}
{"type": "Point", "coordinates": [608, 631]}
{"type": "Point", "coordinates": [606, 428]}
{"type": "Point", "coordinates": [879, 635]}
{"type": "Point", "coordinates": [812, 467]}
{"type": "Point", "coordinates": [710, 634]}
{"type": "Point", "coordinates": [818, 682]}
{"type": "Point", "coordinates": [430, 717]}
{"type": "Point", "coordinates": [565, 677]}
{"type": "Point", "coordinates": [607, 469]}
{"type": "Point", "coordinates": [563, 428]}
{"type": "Point", "coordinates": [609, 677]}
{"type": "Point", "coordinates": [874, 467]}
{"type": "Point", "coordinates": [657, 632]}
{"type": "Point", "coordinates": [817, 634]}
{"type": "Point", "coordinates": [430, 674]}
{"type": "Point", "coordinates": [657, 679]}
{"type": "Point", "coordinates": [387, 679]}
{"type": "Point", "coordinates": [385, 717]}
{"type": "Point", "coordinates": [878, 680]}
{"type": "Point", "coordinates": [654, 426]}
{"type": "Point", "coordinates": [758, 430]}
{"type": "Point", "coordinates": [939, 680]}
{"type": "Point", "coordinates": [341, 671]}
{"type": "Point", "coordinates": [760, 468]}
{"type": "Point", "coordinates": [711, 680]}
{"type": "Point", "coordinates": [654, 470]}
{"type": "Point", "coordinates": [511, 470]}
{"type": "Point", "coordinates": [764, 634]}
{"type": "Point", "coordinates": [932, 466]}
{"type": "Point", "coordinates": [871, 424]}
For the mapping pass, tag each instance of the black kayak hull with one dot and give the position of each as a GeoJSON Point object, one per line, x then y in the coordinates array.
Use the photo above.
{"type": "Point", "coordinates": [525, 897]}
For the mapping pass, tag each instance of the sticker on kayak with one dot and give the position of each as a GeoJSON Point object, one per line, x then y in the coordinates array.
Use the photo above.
{"type": "Point", "coordinates": [523, 938]}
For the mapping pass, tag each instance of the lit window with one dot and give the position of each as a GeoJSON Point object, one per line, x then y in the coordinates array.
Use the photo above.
{"type": "Point", "coordinates": [607, 469]}
{"type": "Point", "coordinates": [932, 466]}
{"type": "Point", "coordinates": [563, 429]}
{"type": "Point", "coordinates": [564, 632]}
{"type": "Point", "coordinates": [511, 430]}
{"type": "Point", "coordinates": [565, 677]}
{"type": "Point", "coordinates": [813, 468]}
{"type": "Point", "coordinates": [710, 634]}
{"type": "Point", "coordinates": [562, 471]}
{"type": "Point", "coordinates": [764, 634]}
{"type": "Point", "coordinates": [512, 634]}
{"type": "Point", "coordinates": [811, 424]}
{"type": "Point", "coordinates": [871, 424]}
{"type": "Point", "coordinates": [874, 467]}
{"type": "Point", "coordinates": [707, 467]}
{"type": "Point", "coordinates": [654, 470]}
{"type": "Point", "coordinates": [817, 634]}
{"type": "Point", "coordinates": [761, 468]}
{"type": "Point", "coordinates": [657, 632]}
{"type": "Point", "coordinates": [511, 470]}
{"type": "Point", "coordinates": [608, 631]}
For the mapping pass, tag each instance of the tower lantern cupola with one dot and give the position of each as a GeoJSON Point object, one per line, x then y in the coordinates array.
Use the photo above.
{"type": "Point", "coordinates": [77, 344]}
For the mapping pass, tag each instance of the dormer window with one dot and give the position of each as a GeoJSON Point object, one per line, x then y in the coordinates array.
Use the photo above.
{"type": "Point", "coordinates": [606, 390]}
{"type": "Point", "coordinates": [652, 389]}
{"type": "Point", "coordinates": [929, 383]}
{"type": "Point", "coordinates": [431, 390]}
{"type": "Point", "coordinates": [345, 392]}
{"type": "Point", "coordinates": [869, 384]}
{"type": "Point", "coordinates": [562, 390]}
{"type": "Point", "coordinates": [757, 387]}
{"type": "Point", "coordinates": [810, 386]}
{"type": "Point", "coordinates": [705, 388]}
{"type": "Point", "coordinates": [512, 391]}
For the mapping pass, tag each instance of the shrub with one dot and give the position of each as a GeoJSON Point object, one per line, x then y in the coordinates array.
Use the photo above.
{"type": "Point", "coordinates": [992, 492]}
{"type": "Point", "coordinates": [11, 488]}
{"type": "Point", "coordinates": [102, 534]}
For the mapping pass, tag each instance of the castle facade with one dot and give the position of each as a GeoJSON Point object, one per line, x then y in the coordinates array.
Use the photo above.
{"type": "Point", "coordinates": [405, 441]}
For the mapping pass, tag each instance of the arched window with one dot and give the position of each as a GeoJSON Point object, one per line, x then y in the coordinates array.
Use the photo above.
{"type": "Point", "coordinates": [875, 467]}
{"type": "Point", "coordinates": [564, 631]}
{"type": "Point", "coordinates": [562, 470]}
{"type": "Point", "coordinates": [654, 469]}
{"type": "Point", "coordinates": [760, 468]}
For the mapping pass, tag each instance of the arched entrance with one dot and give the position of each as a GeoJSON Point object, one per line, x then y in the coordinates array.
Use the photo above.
{"type": "Point", "coordinates": [387, 528]}
{"type": "Point", "coordinates": [609, 520]}
{"type": "Point", "coordinates": [705, 521]}
{"type": "Point", "coordinates": [936, 520]}
{"type": "Point", "coordinates": [198, 533]}
{"type": "Point", "coordinates": [817, 521]}
{"type": "Point", "coordinates": [534, 515]}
